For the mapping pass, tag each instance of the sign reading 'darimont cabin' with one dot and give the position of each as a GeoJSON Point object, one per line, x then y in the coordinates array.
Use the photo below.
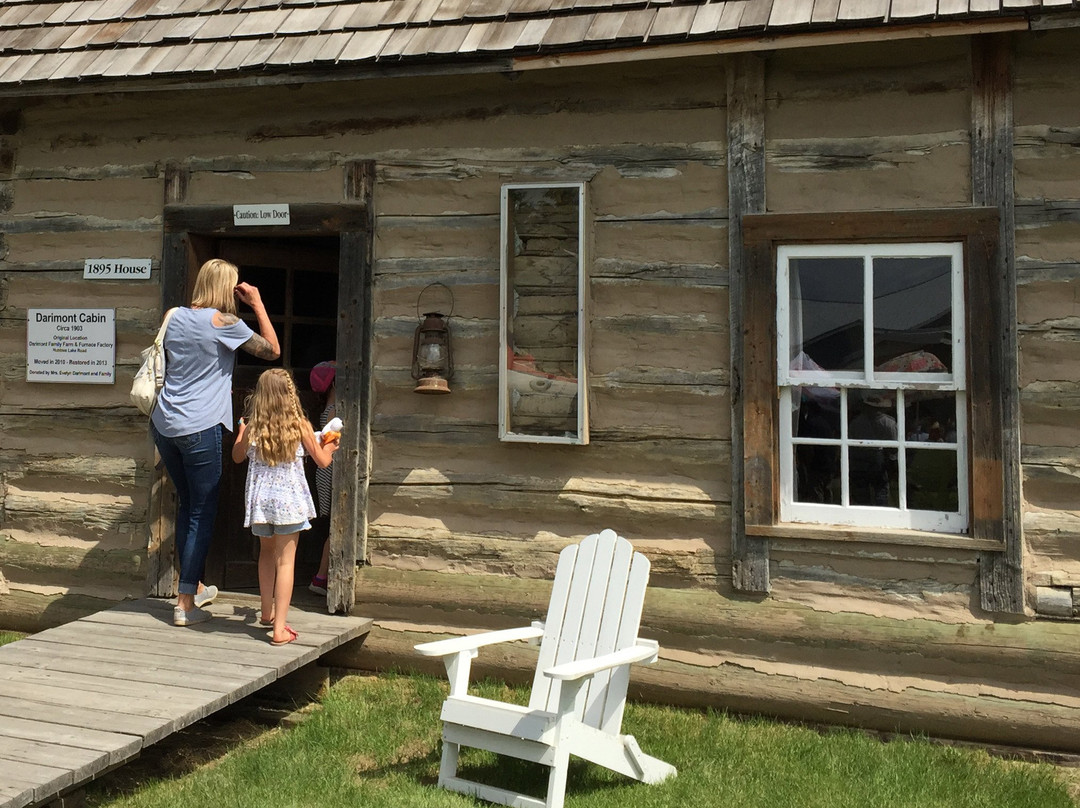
{"type": "Point", "coordinates": [260, 214]}
{"type": "Point", "coordinates": [72, 346]}
{"type": "Point", "coordinates": [113, 268]}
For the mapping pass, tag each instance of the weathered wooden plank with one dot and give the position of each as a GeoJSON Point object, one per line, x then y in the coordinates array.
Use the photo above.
{"type": "Point", "coordinates": [746, 194]}
{"type": "Point", "coordinates": [40, 780]}
{"type": "Point", "coordinates": [118, 746]}
{"type": "Point", "coordinates": [1001, 579]}
{"type": "Point", "coordinates": [82, 764]}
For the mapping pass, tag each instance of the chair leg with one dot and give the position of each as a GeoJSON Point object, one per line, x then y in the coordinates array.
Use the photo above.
{"type": "Point", "coordinates": [556, 790]}
{"type": "Point", "coordinates": [449, 764]}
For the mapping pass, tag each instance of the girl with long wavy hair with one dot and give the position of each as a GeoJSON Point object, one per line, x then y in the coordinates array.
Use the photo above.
{"type": "Point", "coordinates": [274, 436]}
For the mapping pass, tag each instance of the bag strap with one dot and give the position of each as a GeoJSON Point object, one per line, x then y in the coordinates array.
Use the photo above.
{"type": "Point", "coordinates": [159, 340]}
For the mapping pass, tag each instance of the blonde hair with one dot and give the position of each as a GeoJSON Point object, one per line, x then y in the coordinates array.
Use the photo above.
{"type": "Point", "coordinates": [275, 420]}
{"type": "Point", "coordinates": [214, 286]}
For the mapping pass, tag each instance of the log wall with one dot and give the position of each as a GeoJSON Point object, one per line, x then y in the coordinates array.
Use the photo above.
{"type": "Point", "coordinates": [464, 529]}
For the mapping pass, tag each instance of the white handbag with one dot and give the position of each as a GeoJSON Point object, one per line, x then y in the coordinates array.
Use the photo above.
{"type": "Point", "coordinates": [151, 374]}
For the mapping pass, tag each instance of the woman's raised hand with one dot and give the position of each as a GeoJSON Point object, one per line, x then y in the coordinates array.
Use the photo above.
{"type": "Point", "coordinates": [246, 293]}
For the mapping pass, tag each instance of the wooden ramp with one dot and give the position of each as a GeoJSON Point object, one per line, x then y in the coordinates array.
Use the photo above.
{"type": "Point", "coordinates": [82, 698]}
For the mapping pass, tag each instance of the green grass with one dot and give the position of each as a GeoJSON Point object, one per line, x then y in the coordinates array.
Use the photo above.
{"type": "Point", "coordinates": [374, 741]}
{"type": "Point", "coordinates": [9, 636]}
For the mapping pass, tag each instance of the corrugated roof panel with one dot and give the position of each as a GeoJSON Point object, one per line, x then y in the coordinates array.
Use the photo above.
{"type": "Point", "coordinates": [110, 32]}
{"type": "Point", "coordinates": [564, 30]}
{"type": "Point", "coordinates": [791, 12]}
{"type": "Point", "coordinates": [261, 23]}
{"type": "Point", "coordinates": [220, 26]}
{"type": "Point", "coordinates": [368, 15]}
{"type": "Point", "coordinates": [450, 38]}
{"type": "Point", "coordinates": [502, 36]}
{"type": "Point", "coordinates": [364, 45]}
{"type": "Point", "coordinates": [673, 21]}
{"type": "Point", "coordinates": [912, 9]}
{"type": "Point", "coordinates": [124, 60]}
{"type": "Point", "coordinates": [533, 33]}
{"type": "Point", "coordinates": [397, 43]}
{"type": "Point", "coordinates": [303, 20]}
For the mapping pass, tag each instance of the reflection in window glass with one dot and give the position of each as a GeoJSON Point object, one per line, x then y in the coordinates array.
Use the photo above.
{"type": "Point", "coordinates": [827, 313]}
{"type": "Point", "coordinates": [913, 313]}
{"type": "Point", "coordinates": [542, 389]}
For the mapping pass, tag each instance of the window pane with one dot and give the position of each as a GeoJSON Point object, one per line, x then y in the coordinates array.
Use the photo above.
{"type": "Point", "coordinates": [930, 416]}
{"type": "Point", "coordinates": [913, 314]}
{"type": "Point", "coordinates": [931, 480]}
{"type": "Point", "coordinates": [826, 313]}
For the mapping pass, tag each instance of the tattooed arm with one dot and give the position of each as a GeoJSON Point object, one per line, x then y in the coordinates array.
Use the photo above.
{"type": "Point", "coordinates": [264, 344]}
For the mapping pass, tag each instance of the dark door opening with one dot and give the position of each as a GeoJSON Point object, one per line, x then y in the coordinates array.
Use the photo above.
{"type": "Point", "coordinates": [297, 278]}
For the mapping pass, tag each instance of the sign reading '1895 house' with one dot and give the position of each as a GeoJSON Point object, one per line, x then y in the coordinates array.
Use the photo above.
{"type": "Point", "coordinates": [72, 346]}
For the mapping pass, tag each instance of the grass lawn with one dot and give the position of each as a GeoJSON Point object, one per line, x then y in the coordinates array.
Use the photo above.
{"type": "Point", "coordinates": [374, 742]}
{"type": "Point", "coordinates": [9, 636]}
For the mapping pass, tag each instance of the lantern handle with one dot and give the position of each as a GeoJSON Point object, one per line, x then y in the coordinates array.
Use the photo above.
{"type": "Point", "coordinates": [420, 297]}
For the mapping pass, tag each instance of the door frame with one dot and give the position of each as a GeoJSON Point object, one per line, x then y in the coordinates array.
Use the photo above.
{"type": "Point", "coordinates": [353, 222]}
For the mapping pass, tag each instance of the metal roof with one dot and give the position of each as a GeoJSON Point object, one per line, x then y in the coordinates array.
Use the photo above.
{"type": "Point", "coordinates": [77, 42]}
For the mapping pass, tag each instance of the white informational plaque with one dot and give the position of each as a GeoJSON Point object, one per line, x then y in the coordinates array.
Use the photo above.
{"type": "Point", "coordinates": [260, 214]}
{"type": "Point", "coordinates": [71, 346]}
{"type": "Point", "coordinates": [128, 269]}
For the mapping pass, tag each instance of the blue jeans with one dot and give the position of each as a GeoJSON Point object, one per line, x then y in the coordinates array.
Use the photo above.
{"type": "Point", "coordinates": [194, 464]}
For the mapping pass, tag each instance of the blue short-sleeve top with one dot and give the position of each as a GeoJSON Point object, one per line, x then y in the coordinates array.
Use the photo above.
{"type": "Point", "coordinates": [199, 361]}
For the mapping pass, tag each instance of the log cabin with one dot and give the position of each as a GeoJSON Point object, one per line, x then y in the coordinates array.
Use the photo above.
{"type": "Point", "coordinates": [787, 292]}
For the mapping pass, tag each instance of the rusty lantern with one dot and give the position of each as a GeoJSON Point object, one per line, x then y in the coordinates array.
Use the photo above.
{"type": "Point", "coordinates": [433, 356]}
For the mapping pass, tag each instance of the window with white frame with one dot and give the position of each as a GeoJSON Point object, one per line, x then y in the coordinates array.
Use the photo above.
{"type": "Point", "coordinates": [870, 369]}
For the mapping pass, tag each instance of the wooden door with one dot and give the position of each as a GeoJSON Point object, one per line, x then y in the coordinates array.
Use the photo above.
{"type": "Point", "coordinates": [297, 278]}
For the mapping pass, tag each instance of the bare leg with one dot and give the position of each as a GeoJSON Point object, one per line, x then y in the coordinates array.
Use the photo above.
{"type": "Point", "coordinates": [267, 572]}
{"type": "Point", "coordinates": [324, 562]}
{"type": "Point", "coordinates": [285, 565]}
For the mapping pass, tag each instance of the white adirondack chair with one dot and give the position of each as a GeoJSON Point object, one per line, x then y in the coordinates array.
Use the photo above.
{"type": "Point", "coordinates": [579, 692]}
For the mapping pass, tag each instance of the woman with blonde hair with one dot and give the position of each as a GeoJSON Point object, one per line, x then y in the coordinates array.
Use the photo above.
{"type": "Point", "coordinates": [274, 436]}
{"type": "Point", "coordinates": [195, 406]}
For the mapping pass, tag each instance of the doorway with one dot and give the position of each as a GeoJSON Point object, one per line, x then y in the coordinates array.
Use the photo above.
{"type": "Point", "coordinates": [297, 277]}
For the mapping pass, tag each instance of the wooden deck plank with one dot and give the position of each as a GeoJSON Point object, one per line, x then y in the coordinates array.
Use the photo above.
{"type": "Point", "coordinates": [120, 746]}
{"type": "Point", "coordinates": [143, 679]}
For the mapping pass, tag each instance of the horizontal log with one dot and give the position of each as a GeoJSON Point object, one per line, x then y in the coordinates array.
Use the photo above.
{"type": "Point", "coordinates": [36, 610]}
{"type": "Point", "coordinates": [65, 566]}
{"type": "Point", "coordinates": [78, 514]}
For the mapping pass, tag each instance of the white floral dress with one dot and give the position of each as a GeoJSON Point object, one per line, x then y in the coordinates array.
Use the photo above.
{"type": "Point", "coordinates": [277, 495]}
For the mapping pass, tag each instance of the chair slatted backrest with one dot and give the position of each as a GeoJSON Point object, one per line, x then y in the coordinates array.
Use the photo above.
{"type": "Point", "coordinates": [595, 608]}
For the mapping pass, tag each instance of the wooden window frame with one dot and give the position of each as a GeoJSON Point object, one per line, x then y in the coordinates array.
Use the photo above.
{"type": "Point", "coordinates": [978, 230]}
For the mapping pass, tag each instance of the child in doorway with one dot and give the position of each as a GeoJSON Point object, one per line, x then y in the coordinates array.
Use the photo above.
{"type": "Point", "coordinates": [323, 377]}
{"type": "Point", "coordinates": [274, 436]}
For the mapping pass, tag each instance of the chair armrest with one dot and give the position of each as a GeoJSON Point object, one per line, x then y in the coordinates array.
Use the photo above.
{"type": "Point", "coordinates": [644, 651]}
{"type": "Point", "coordinates": [471, 642]}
